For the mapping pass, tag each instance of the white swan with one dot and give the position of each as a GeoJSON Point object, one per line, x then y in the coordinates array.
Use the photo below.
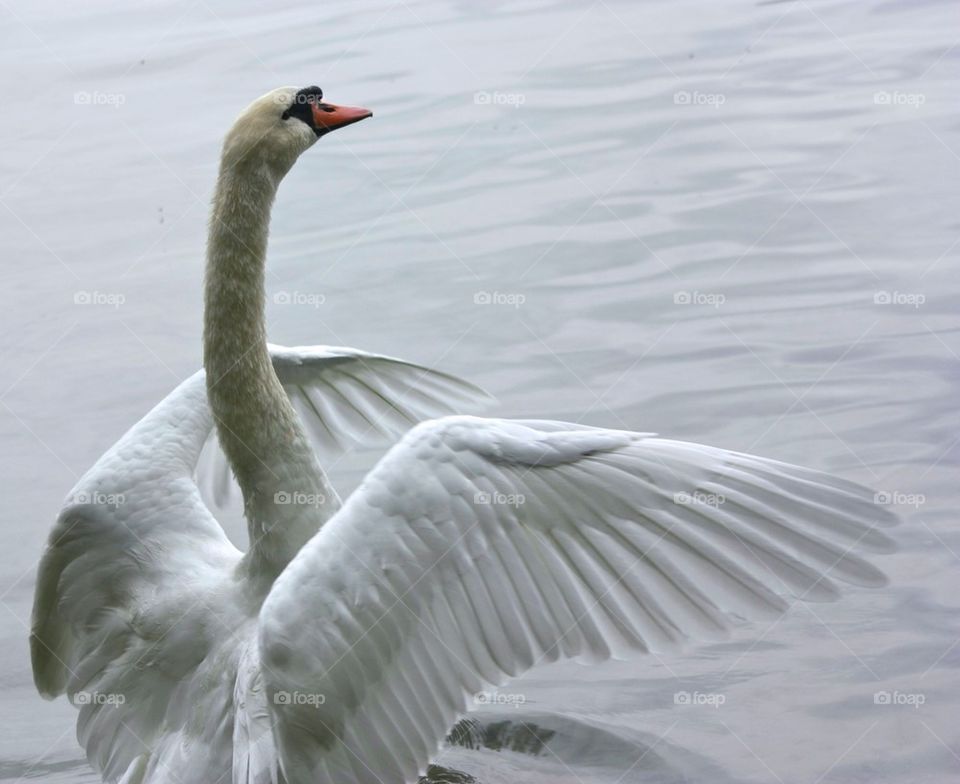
{"type": "Point", "coordinates": [475, 549]}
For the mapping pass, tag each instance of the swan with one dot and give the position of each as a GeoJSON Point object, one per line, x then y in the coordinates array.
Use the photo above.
{"type": "Point", "coordinates": [348, 638]}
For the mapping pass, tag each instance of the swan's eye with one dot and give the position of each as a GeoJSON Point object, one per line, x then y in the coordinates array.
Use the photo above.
{"type": "Point", "coordinates": [302, 105]}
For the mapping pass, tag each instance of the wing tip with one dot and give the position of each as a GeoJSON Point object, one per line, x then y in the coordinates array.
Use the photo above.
{"type": "Point", "coordinates": [49, 673]}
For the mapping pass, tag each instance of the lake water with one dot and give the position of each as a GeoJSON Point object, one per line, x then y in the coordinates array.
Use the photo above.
{"type": "Point", "coordinates": [733, 223]}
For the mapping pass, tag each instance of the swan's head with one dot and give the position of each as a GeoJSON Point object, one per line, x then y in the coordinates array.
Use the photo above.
{"type": "Point", "coordinates": [278, 127]}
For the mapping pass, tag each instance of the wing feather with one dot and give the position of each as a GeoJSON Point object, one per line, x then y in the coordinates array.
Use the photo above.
{"type": "Point", "coordinates": [479, 548]}
{"type": "Point", "coordinates": [345, 398]}
{"type": "Point", "coordinates": [136, 613]}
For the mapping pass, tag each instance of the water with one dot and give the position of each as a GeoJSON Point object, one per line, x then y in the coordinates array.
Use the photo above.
{"type": "Point", "coordinates": [727, 222]}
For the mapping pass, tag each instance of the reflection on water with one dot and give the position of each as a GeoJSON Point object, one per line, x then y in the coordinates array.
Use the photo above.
{"type": "Point", "coordinates": [727, 222]}
{"type": "Point", "coordinates": [566, 748]}
{"type": "Point", "coordinates": [523, 737]}
{"type": "Point", "coordinates": [437, 774]}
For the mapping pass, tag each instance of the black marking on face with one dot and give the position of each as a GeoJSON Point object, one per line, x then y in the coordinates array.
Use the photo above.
{"type": "Point", "coordinates": [302, 106]}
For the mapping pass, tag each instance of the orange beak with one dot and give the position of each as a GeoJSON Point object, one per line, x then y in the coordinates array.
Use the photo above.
{"type": "Point", "coordinates": [328, 117]}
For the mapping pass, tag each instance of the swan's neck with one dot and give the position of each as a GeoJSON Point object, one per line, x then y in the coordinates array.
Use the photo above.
{"type": "Point", "coordinates": [258, 428]}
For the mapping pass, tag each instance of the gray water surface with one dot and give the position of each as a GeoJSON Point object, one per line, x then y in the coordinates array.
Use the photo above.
{"type": "Point", "coordinates": [733, 223]}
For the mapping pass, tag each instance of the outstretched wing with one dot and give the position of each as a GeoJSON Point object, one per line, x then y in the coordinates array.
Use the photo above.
{"type": "Point", "coordinates": [123, 592]}
{"type": "Point", "coordinates": [346, 397]}
{"type": "Point", "coordinates": [129, 614]}
{"type": "Point", "coordinates": [478, 548]}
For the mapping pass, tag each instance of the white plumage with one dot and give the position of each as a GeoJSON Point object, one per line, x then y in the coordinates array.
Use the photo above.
{"type": "Point", "coordinates": [478, 548]}
{"type": "Point", "coordinates": [341, 647]}
{"type": "Point", "coordinates": [143, 614]}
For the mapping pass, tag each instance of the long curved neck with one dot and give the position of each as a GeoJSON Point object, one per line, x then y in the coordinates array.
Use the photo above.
{"type": "Point", "coordinates": [258, 428]}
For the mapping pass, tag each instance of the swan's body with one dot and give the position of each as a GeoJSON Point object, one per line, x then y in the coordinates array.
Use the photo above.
{"type": "Point", "coordinates": [343, 644]}
{"type": "Point", "coordinates": [141, 594]}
